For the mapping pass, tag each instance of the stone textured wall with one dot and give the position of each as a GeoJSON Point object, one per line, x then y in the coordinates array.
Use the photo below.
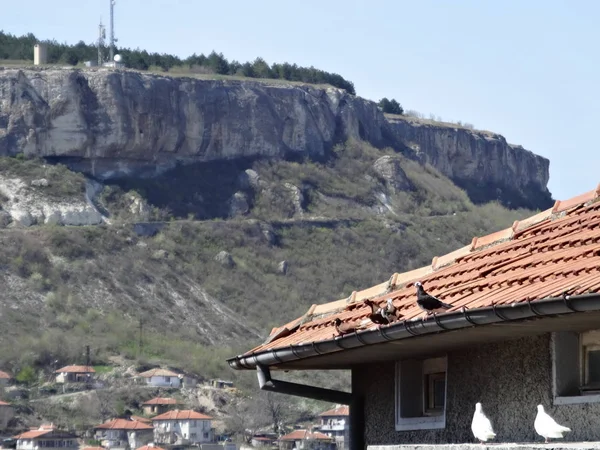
{"type": "Point", "coordinates": [119, 123]}
{"type": "Point", "coordinates": [510, 379]}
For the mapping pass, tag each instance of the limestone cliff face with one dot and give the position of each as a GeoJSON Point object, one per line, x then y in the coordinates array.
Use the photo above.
{"type": "Point", "coordinates": [472, 157]}
{"type": "Point", "coordinates": [119, 123]}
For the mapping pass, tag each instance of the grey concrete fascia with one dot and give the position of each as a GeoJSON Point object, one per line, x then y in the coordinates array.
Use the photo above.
{"type": "Point", "coordinates": [436, 323]}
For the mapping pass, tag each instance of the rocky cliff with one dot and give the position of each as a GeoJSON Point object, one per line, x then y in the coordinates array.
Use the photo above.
{"type": "Point", "coordinates": [123, 123]}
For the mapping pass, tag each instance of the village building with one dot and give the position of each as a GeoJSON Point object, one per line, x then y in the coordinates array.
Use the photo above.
{"type": "Point", "coordinates": [150, 447]}
{"type": "Point", "coordinates": [264, 440]}
{"type": "Point", "coordinates": [335, 424]}
{"type": "Point", "coordinates": [5, 379]}
{"type": "Point", "coordinates": [305, 440]}
{"type": "Point", "coordinates": [75, 374]}
{"type": "Point", "coordinates": [158, 405]}
{"type": "Point", "coordinates": [221, 384]}
{"type": "Point", "coordinates": [7, 412]}
{"type": "Point", "coordinates": [523, 329]}
{"type": "Point", "coordinates": [161, 378]}
{"type": "Point", "coordinates": [47, 437]}
{"type": "Point", "coordinates": [124, 433]}
{"type": "Point", "coordinates": [182, 427]}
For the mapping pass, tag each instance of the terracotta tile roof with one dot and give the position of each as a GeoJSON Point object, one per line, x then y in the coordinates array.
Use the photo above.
{"type": "Point", "coordinates": [298, 435]}
{"type": "Point", "coordinates": [141, 419]}
{"type": "Point", "coordinates": [551, 252]}
{"type": "Point", "coordinates": [161, 401]}
{"type": "Point", "coordinates": [123, 424]}
{"type": "Point", "coordinates": [32, 434]}
{"type": "Point", "coordinates": [4, 375]}
{"type": "Point", "coordinates": [158, 373]}
{"type": "Point", "coordinates": [76, 369]}
{"type": "Point", "coordinates": [42, 431]}
{"type": "Point", "coordinates": [182, 415]}
{"type": "Point", "coordinates": [4, 403]}
{"type": "Point", "coordinates": [343, 410]}
{"type": "Point", "coordinates": [149, 447]}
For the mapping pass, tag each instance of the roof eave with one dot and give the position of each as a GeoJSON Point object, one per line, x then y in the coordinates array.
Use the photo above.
{"type": "Point", "coordinates": [451, 321]}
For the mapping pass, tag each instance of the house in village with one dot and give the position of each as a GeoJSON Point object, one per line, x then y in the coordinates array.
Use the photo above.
{"type": "Point", "coordinates": [5, 378]}
{"type": "Point", "coordinates": [47, 437]}
{"type": "Point", "coordinates": [182, 427]}
{"type": "Point", "coordinates": [221, 384]}
{"type": "Point", "coordinates": [124, 433]}
{"type": "Point", "coordinates": [75, 374]}
{"type": "Point", "coordinates": [306, 440]}
{"type": "Point", "coordinates": [6, 413]}
{"type": "Point", "coordinates": [523, 330]}
{"type": "Point", "coordinates": [161, 378]}
{"type": "Point", "coordinates": [158, 405]}
{"type": "Point", "coordinates": [335, 424]}
{"type": "Point", "coordinates": [264, 440]}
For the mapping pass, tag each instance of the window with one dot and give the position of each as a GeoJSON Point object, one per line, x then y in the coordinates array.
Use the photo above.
{"type": "Point", "coordinates": [167, 379]}
{"type": "Point", "coordinates": [421, 394]}
{"type": "Point", "coordinates": [205, 435]}
{"type": "Point", "coordinates": [576, 367]}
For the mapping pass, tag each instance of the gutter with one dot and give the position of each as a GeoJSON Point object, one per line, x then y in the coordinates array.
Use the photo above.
{"type": "Point", "coordinates": [451, 321]}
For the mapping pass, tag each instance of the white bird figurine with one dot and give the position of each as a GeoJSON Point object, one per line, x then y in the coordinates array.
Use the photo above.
{"type": "Point", "coordinates": [546, 426]}
{"type": "Point", "coordinates": [481, 425]}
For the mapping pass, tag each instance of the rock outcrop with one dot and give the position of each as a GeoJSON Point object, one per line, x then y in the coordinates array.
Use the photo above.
{"type": "Point", "coordinates": [471, 157]}
{"type": "Point", "coordinates": [25, 207]}
{"type": "Point", "coordinates": [113, 123]}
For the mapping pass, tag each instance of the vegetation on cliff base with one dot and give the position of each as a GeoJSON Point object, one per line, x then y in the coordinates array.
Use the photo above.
{"type": "Point", "coordinates": [21, 48]}
{"type": "Point", "coordinates": [58, 280]}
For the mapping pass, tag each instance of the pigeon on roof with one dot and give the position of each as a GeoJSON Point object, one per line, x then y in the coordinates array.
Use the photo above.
{"type": "Point", "coordinates": [377, 315]}
{"type": "Point", "coordinates": [390, 312]}
{"type": "Point", "coordinates": [546, 426]}
{"type": "Point", "coordinates": [428, 302]}
{"type": "Point", "coordinates": [481, 425]}
{"type": "Point", "coordinates": [345, 328]}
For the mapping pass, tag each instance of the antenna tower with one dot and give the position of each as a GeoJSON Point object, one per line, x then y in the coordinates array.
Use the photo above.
{"type": "Point", "coordinates": [101, 37]}
{"type": "Point", "coordinates": [112, 30]}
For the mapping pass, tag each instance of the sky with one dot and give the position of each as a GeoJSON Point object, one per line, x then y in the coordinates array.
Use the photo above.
{"type": "Point", "coordinates": [528, 70]}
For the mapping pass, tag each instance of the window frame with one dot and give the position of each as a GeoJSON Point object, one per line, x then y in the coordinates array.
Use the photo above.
{"type": "Point", "coordinates": [428, 420]}
{"type": "Point", "coordinates": [562, 344]}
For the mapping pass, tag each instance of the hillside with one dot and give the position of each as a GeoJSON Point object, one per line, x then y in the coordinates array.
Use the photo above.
{"type": "Point", "coordinates": [339, 226]}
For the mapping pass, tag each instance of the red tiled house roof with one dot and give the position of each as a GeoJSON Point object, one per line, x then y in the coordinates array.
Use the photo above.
{"type": "Point", "coordinates": [4, 375]}
{"type": "Point", "coordinates": [158, 373]}
{"type": "Point", "coordinates": [161, 401]}
{"type": "Point", "coordinates": [343, 410]}
{"type": "Point", "coordinates": [123, 424]}
{"type": "Point", "coordinates": [76, 369]}
{"type": "Point", "coordinates": [537, 259]}
{"type": "Point", "coordinates": [298, 435]}
{"type": "Point", "coordinates": [182, 415]}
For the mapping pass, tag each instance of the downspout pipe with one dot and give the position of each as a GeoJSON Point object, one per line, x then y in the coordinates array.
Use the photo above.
{"type": "Point", "coordinates": [266, 383]}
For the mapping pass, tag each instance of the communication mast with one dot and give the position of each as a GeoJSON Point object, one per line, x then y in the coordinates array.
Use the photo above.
{"type": "Point", "coordinates": [101, 37]}
{"type": "Point", "coordinates": [112, 30]}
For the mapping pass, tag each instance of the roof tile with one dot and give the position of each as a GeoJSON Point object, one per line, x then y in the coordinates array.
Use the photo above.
{"type": "Point", "coordinates": [298, 435]}
{"type": "Point", "coordinates": [343, 410]}
{"type": "Point", "coordinates": [182, 415]}
{"type": "Point", "coordinates": [76, 369]}
{"type": "Point", "coordinates": [124, 424]}
{"type": "Point", "coordinates": [536, 258]}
